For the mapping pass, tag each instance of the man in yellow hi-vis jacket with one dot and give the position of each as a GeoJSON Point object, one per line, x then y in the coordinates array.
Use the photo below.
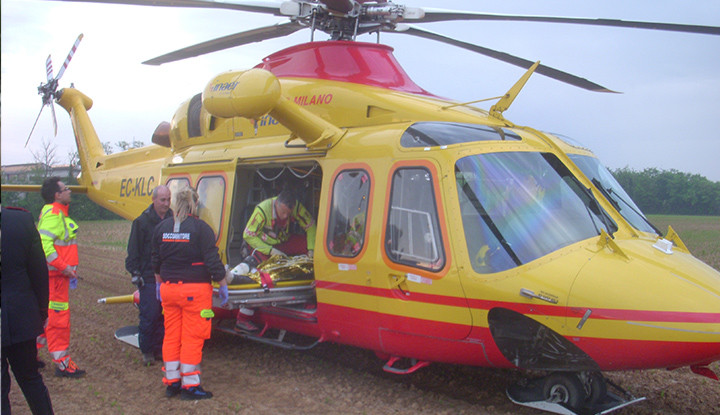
{"type": "Point", "coordinates": [58, 233]}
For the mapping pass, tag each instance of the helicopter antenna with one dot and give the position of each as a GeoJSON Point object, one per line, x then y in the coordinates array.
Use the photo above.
{"type": "Point", "coordinates": [463, 104]}
{"type": "Point", "coordinates": [48, 91]}
{"type": "Point", "coordinates": [507, 100]}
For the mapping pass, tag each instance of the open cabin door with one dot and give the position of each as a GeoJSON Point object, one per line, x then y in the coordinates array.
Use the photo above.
{"type": "Point", "coordinates": [257, 182]}
{"type": "Point", "coordinates": [214, 183]}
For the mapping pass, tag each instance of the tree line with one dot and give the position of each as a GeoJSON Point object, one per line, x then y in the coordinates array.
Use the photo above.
{"type": "Point", "coordinates": [670, 192]}
{"type": "Point", "coordinates": [81, 207]}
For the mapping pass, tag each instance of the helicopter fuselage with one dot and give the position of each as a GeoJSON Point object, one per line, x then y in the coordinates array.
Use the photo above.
{"type": "Point", "coordinates": [444, 234]}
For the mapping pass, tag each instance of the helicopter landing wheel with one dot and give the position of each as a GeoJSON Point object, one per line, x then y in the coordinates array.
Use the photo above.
{"type": "Point", "coordinates": [566, 389]}
{"type": "Point", "coordinates": [595, 388]}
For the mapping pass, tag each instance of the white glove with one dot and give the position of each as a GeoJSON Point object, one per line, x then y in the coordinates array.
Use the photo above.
{"type": "Point", "coordinates": [275, 251]}
{"type": "Point", "coordinates": [311, 253]}
{"type": "Point", "coordinates": [240, 269]}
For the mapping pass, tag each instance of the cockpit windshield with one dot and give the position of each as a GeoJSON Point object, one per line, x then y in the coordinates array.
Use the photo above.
{"type": "Point", "coordinates": [606, 183]}
{"type": "Point", "coordinates": [519, 206]}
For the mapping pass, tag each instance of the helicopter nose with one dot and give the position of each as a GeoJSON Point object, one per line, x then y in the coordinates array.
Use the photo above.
{"type": "Point", "coordinates": [650, 310]}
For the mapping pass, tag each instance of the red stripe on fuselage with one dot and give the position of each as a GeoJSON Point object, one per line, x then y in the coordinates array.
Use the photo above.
{"type": "Point", "coordinates": [370, 329]}
{"type": "Point", "coordinates": [531, 309]}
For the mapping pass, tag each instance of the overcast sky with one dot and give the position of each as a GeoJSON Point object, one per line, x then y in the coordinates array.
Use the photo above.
{"type": "Point", "coordinates": [668, 115]}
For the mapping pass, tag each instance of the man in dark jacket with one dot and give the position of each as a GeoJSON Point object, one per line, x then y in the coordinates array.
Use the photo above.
{"type": "Point", "coordinates": [25, 296]}
{"type": "Point", "coordinates": [150, 329]}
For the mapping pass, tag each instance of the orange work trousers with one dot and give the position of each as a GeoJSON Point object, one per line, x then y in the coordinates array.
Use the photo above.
{"type": "Point", "coordinates": [187, 308]}
{"type": "Point", "coordinates": [57, 330]}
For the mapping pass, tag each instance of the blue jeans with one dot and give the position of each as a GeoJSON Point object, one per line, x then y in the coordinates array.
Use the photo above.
{"type": "Point", "coordinates": [151, 329]}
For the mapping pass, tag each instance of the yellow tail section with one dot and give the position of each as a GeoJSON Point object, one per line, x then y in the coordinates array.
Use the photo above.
{"type": "Point", "coordinates": [90, 150]}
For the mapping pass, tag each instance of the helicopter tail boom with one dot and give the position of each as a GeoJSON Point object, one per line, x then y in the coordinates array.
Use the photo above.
{"type": "Point", "coordinates": [90, 150]}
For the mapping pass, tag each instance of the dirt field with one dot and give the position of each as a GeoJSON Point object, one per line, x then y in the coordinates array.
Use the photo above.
{"type": "Point", "coordinates": [249, 378]}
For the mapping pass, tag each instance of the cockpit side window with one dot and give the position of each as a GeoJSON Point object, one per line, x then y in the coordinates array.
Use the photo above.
{"type": "Point", "coordinates": [412, 235]}
{"type": "Point", "coordinates": [348, 213]}
{"type": "Point", "coordinates": [519, 206]}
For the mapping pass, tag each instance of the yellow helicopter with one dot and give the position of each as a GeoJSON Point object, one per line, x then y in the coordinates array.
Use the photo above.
{"type": "Point", "coordinates": [445, 232]}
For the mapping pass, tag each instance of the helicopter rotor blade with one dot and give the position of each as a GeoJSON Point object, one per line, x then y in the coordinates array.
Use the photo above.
{"type": "Point", "coordinates": [49, 68]}
{"type": "Point", "coordinates": [52, 109]}
{"type": "Point", "coordinates": [226, 42]}
{"type": "Point", "coordinates": [440, 15]}
{"type": "Point", "coordinates": [34, 125]}
{"type": "Point", "coordinates": [507, 58]}
{"type": "Point", "coordinates": [48, 90]}
{"type": "Point", "coordinates": [255, 6]}
{"type": "Point", "coordinates": [67, 61]}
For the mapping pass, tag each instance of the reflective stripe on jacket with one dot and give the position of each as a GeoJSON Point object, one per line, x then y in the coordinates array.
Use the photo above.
{"type": "Point", "coordinates": [58, 233]}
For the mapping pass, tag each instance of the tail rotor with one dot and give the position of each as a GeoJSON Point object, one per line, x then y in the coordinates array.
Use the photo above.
{"type": "Point", "coordinates": [48, 91]}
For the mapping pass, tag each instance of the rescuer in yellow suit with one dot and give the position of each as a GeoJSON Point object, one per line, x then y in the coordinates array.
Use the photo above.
{"type": "Point", "coordinates": [185, 260]}
{"type": "Point", "coordinates": [58, 233]}
{"type": "Point", "coordinates": [268, 233]}
{"type": "Point", "coordinates": [268, 230]}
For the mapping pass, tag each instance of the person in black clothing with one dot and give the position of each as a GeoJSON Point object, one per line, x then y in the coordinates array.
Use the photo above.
{"type": "Point", "coordinates": [25, 293]}
{"type": "Point", "coordinates": [185, 260]}
{"type": "Point", "coordinates": [137, 263]}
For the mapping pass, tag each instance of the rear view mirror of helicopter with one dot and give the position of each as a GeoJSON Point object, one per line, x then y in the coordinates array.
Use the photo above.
{"type": "Point", "coordinates": [445, 232]}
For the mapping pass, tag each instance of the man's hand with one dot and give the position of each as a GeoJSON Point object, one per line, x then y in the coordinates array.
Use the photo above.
{"type": "Point", "coordinates": [223, 292]}
{"type": "Point", "coordinates": [311, 253]}
{"type": "Point", "coordinates": [137, 279]}
{"type": "Point", "coordinates": [69, 272]}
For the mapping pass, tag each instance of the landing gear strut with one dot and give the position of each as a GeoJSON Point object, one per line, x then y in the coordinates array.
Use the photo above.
{"type": "Point", "coordinates": [571, 393]}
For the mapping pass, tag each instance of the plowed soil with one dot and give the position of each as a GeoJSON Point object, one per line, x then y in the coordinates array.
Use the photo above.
{"type": "Point", "coordinates": [250, 378]}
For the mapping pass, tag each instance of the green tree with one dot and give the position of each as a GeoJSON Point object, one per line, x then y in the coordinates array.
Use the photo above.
{"type": "Point", "coordinates": [670, 191]}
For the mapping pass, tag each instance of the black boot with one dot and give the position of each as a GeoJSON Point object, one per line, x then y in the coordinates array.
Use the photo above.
{"type": "Point", "coordinates": [172, 389]}
{"type": "Point", "coordinates": [194, 393]}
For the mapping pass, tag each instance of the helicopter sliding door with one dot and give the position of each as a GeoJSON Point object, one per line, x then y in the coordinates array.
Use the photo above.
{"type": "Point", "coordinates": [424, 305]}
{"type": "Point", "coordinates": [213, 183]}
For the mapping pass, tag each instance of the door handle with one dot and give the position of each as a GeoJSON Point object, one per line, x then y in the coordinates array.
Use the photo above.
{"type": "Point", "coordinates": [530, 294]}
{"type": "Point", "coordinates": [399, 282]}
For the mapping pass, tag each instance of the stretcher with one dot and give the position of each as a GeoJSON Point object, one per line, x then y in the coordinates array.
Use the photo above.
{"type": "Point", "coordinates": [256, 295]}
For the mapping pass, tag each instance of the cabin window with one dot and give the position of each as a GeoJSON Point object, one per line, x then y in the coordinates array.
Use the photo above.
{"type": "Point", "coordinates": [211, 190]}
{"type": "Point", "coordinates": [413, 234]}
{"type": "Point", "coordinates": [432, 134]}
{"type": "Point", "coordinates": [519, 206]}
{"type": "Point", "coordinates": [175, 185]}
{"type": "Point", "coordinates": [348, 213]}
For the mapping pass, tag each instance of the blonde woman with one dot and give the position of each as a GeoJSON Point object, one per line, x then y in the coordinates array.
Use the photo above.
{"type": "Point", "coordinates": [185, 261]}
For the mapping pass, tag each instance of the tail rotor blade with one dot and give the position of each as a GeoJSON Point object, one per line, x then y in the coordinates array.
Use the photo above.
{"type": "Point", "coordinates": [33, 127]}
{"type": "Point", "coordinates": [49, 68]}
{"type": "Point", "coordinates": [52, 108]}
{"type": "Point", "coordinates": [69, 56]}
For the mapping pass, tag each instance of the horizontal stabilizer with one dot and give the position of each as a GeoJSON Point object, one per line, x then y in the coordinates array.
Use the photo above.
{"type": "Point", "coordinates": [36, 188]}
